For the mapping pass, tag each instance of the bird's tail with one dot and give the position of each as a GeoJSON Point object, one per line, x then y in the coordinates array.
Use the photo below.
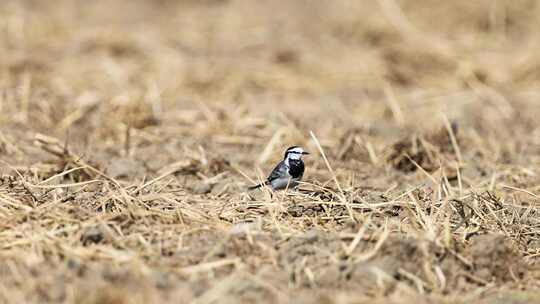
{"type": "Point", "coordinates": [255, 187]}
{"type": "Point", "coordinates": [258, 186]}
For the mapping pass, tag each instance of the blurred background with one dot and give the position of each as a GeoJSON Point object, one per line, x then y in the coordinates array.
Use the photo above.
{"type": "Point", "coordinates": [198, 91]}
{"type": "Point", "coordinates": [96, 67]}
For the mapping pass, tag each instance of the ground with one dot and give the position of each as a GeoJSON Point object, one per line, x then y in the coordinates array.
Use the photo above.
{"type": "Point", "coordinates": [130, 131]}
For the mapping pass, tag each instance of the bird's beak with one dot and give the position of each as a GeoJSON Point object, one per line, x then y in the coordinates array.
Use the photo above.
{"type": "Point", "coordinates": [305, 153]}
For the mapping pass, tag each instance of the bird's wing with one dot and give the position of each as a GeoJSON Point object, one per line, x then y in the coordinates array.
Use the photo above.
{"type": "Point", "coordinates": [280, 170]}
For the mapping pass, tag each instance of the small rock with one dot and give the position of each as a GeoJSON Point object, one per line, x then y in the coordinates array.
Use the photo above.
{"type": "Point", "coordinates": [124, 168]}
{"type": "Point", "coordinates": [202, 188]}
{"type": "Point", "coordinates": [243, 228]}
{"type": "Point", "coordinates": [311, 236]}
{"type": "Point", "coordinates": [93, 235]}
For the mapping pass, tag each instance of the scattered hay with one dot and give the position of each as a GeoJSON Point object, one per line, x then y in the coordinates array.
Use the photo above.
{"type": "Point", "coordinates": [127, 142]}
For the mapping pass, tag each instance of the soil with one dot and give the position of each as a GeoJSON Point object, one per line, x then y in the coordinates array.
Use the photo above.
{"type": "Point", "coordinates": [130, 132]}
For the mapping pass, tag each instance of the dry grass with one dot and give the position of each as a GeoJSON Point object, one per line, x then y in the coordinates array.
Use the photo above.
{"type": "Point", "coordinates": [130, 129]}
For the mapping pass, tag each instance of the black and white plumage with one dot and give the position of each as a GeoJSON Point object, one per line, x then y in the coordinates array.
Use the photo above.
{"type": "Point", "coordinates": [288, 172]}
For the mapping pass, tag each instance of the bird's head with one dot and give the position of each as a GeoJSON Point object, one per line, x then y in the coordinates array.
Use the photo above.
{"type": "Point", "coordinates": [295, 152]}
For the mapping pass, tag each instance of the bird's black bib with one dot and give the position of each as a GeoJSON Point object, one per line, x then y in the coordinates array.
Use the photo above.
{"type": "Point", "coordinates": [296, 168]}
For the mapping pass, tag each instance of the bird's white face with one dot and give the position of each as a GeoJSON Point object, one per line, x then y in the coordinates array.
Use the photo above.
{"type": "Point", "coordinates": [295, 153]}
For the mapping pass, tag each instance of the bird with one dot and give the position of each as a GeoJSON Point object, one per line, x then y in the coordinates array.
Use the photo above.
{"type": "Point", "coordinates": [288, 172]}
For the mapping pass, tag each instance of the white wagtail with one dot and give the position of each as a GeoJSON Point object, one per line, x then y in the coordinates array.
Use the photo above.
{"type": "Point", "coordinates": [288, 172]}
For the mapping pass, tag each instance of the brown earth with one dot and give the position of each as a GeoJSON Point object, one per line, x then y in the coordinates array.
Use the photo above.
{"type": "Point", "coordinates": [130, 130]}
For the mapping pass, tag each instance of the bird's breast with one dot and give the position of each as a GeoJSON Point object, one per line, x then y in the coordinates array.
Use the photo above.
{"type": "Point", "coordinates": [296, 168]}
